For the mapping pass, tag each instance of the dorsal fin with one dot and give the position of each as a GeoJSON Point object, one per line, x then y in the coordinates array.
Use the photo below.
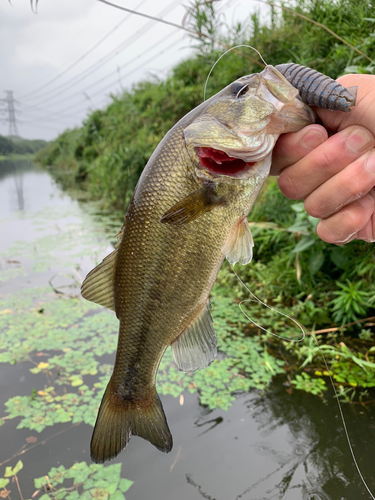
{"type": "Point", "coordinates": [119, 235]}
{"type": "Point", "coordinates": [196, 348]}
{"type": "Point", "coordinates": [239, 247]}
{"type": "Point", "coordinates": [98, 285]}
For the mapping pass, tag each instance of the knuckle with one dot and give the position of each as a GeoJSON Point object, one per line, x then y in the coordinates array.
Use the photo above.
{"type": "Point", "coordinates": [352, 221]}
{"type": "Point", "coordinates": [327, 158]}
{"type": "Point", "coordinates": [288, 186]}
{"type": "Point", "coordinates": [316, 206]}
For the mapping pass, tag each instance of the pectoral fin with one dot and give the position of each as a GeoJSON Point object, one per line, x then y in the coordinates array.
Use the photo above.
{"type": "Point", "coordinates": [196, 348]}
{"type": "Point", "coordinates": [239, 247]}
{"type": "Point", "coordinates": [193, 206]}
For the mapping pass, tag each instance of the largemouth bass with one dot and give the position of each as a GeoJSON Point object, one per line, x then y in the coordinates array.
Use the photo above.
{"type": "Point", "coordinates": [189, 210]}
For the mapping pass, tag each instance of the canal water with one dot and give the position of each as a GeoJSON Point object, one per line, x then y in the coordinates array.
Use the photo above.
{"type": "Point", "coordinates": [265, 446]}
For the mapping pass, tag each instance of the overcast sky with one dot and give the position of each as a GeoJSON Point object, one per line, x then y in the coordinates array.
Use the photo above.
{"type": "Point", "coordinates": [36, 48]}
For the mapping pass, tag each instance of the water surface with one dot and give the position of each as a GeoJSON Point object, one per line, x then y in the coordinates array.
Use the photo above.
{"type": "Point", "coordinates": [265, 446]}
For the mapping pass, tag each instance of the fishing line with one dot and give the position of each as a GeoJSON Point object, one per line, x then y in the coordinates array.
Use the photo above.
{"type": "Point", "coordinates": [256, 299]}
{"type": "Point", "coordinates": [222, 55]}
{"type": "Point", "coordinates": [304, 331]}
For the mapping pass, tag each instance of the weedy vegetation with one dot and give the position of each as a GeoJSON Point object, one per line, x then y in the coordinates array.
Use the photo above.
{"type": "Point", "coordinates": [89, 481]}
{"type": "Point", "coordinates": [328, 288]}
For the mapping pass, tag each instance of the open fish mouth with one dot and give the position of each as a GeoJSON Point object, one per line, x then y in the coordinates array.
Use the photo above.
{"type": "Point", "coordinates": [221, 163]}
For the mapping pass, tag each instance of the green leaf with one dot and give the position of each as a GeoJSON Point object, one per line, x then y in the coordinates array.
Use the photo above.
{"type": "Point", "coordinates": [298, 227]}
{"type": "Point", "coordinates": [18, 467]}
{"type": "Point", "coordinates": [112, 487]}
{"type": "Point", "coordinates": [39, 482]}
{"type": "Point", "coordinates": [305, 243]}
{"type": "Point", "coordinates": [3, 482]}
{"type": "Point", "coordinates": [125, 484]}
{"type": "Point", "coordinates": [77, 382]}
{"type": "Point", "coordinates": [316, 262]}
{"type": "Point", "coordinates": [340, 257]}
{"type": "Point", "coordinates": [117, 496]}
{"type": "Point", "coordinates": [298, 207]}
{"type": "Point", "coordinates": [9, 472]}
{"type": "Point", "coordinates": [74, 495]}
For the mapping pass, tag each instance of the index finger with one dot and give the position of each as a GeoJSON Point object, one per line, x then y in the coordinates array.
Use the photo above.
{"type": "Point", "coordinates": [290, 148]}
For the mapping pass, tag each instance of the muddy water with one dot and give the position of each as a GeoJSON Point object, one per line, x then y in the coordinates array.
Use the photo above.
{"type": "Point", "coordinates": [269, 446]}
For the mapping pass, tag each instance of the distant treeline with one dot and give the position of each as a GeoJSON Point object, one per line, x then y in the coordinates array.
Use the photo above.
{"type": "Point", "coordinates": [106, 155]}
{"type": "Point", "coordinates": [20, 146]}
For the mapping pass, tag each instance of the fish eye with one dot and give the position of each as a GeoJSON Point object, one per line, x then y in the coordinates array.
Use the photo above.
{"type": "Point", "coordinates": [239, 89]}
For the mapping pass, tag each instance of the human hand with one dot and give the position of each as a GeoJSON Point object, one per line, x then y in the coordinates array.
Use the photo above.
{"type": "Point", "coordinates": [335, 175]}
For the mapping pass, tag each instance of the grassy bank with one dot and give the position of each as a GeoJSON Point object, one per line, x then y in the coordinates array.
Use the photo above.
{"type": "Point", "coordinates": [28, 156]}
{"type": "Point", "coordinates": [329, 289]}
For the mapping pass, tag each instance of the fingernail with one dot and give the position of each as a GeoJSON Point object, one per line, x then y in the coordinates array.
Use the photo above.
{"type": "Point", "coordinates": [367, 202]}
{"type": "Point", "coordinates": [359, 140]}
{"type": "Point", "coordinates": [312, 139]}
{"type": "Point", "coordinates": [370, 163]}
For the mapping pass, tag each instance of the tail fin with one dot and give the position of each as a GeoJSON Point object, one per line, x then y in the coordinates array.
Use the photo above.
{"type": "Point", "coordinates": [119, 418]}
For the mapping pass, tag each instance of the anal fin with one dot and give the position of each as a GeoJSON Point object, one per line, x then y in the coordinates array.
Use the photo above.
{"type": "Point", "coordinates": [196, 347]}
{"type": "Point", "coordinates": [239, 247]}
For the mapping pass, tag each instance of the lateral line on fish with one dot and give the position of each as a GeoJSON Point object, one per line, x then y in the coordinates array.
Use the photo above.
{"type": "Point", "coordinates": [304, 332]}
{"type": "Point", "coordinates": [222, 55]}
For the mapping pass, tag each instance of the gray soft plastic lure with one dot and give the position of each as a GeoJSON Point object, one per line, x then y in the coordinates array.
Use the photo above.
{"type": "Point", "coordinates": [316, 89]}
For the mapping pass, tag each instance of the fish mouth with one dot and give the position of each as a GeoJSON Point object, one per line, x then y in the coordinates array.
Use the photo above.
{"type": "Point", "coordinates": [221, 163]}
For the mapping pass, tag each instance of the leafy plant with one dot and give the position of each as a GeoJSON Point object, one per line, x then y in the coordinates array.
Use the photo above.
{"type": "Point", "coordinates": [350, 302]}
{"type": "Point", "coordinates": [304, 382]}
{"type": "Point", "coordinates": [89, 481]}
{"type": "Point", "coordinates": [366, 334]}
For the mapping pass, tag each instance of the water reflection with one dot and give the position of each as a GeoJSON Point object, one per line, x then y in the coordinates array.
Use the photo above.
{"type": "Point", "coordinates": [14, 171]}
{"type": "Point", "coordinates": [313, 454]}
{"type": "Point", "coordinates": [214, 422]}
{"type": "Point", "coordinates": [24, 187]}
{"type": "Point", "coordinates": [18, 181]}
{"type": "Point", "coordinates": [280, 446]}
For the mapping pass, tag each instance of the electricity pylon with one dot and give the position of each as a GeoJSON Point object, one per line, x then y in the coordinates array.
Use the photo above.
{"type": "Point", "coordinates": [9, 101]}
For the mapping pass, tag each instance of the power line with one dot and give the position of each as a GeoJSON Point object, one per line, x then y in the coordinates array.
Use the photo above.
{"type": "Point", "coordinates": [152, 58]}
{"type": "Point", "coordinates": [136, 58]}
{"type": "Point", "coordinates": [94, 67]}
{"type": "Point", "coordinates": [33, 119]}
{"type": "Point", "coordinates": [181, 27]}
{"type": "Point", "coordinates": [62, 49]}
{"type": "Point", "coordinates": [34, 107]}
{"type": "Point", "coordinates": [59, 75]}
